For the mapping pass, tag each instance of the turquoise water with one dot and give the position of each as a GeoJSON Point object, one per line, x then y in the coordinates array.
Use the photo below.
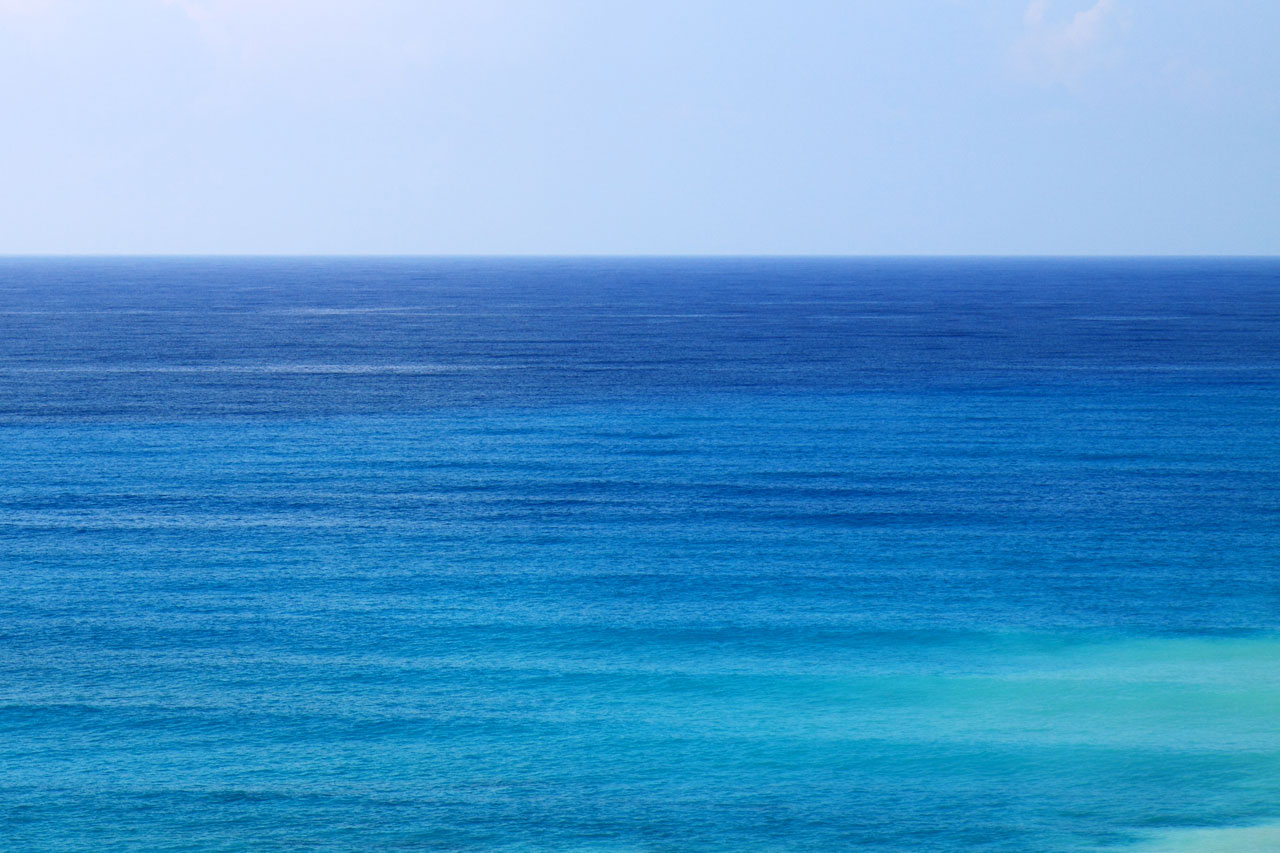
{"type": "Point", "coordinates": [624, 556]}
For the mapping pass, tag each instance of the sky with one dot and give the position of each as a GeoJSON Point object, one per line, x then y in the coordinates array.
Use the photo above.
{"type": "Point", "coordinates": [640, 127]}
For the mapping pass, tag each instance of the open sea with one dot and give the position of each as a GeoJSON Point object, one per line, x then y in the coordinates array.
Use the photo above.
{"type": "Point", "coordinates": [639, 555]}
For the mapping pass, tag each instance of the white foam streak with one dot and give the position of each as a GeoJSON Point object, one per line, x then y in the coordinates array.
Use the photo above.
{"type": "Point", "coordinates": [1233, 839]}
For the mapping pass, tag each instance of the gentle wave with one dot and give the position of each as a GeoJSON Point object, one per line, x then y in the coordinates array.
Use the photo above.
{"type": "Point", "coordinates": [256, 369]}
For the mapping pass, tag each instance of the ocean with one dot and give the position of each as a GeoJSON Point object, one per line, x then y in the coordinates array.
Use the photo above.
{"type": "Point", "coordinates": [604, 554]}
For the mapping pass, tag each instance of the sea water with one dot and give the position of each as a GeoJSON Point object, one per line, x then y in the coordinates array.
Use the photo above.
{"type": "Point", "coordinates": [639, 554]}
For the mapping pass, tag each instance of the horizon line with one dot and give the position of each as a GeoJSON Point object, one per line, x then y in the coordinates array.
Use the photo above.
{"type": "Point", "coordinates": [640, 255]}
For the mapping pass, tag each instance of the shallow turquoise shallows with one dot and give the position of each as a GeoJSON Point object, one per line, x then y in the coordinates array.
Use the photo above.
{"type": "Point", "coordinates": [639, 555]}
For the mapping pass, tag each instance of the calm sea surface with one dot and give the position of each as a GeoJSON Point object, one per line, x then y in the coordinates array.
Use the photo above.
{"type": "Point", "coordinates": [639, 555]}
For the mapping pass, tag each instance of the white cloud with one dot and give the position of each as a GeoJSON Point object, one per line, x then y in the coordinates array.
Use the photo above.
{"type": "Point", "coordinates": [1063, 52]}
{"type": "Point", "coordinates": [23, 7]}
{"type": "Point", "coordinates": [337, 48]}
{"type": "Point", "coordinates": [282, 33]}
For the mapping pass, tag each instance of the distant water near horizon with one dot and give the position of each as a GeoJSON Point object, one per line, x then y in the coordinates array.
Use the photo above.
{"type": "Point", "coordinates": [639, 554]}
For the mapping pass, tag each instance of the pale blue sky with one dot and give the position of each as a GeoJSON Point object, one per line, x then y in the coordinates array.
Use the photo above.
{"type": "Point", "coordinates": [621, 126]}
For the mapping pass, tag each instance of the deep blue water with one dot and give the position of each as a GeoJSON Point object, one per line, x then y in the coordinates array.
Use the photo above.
{"type": "Point", "coordinates": [639, 555]}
